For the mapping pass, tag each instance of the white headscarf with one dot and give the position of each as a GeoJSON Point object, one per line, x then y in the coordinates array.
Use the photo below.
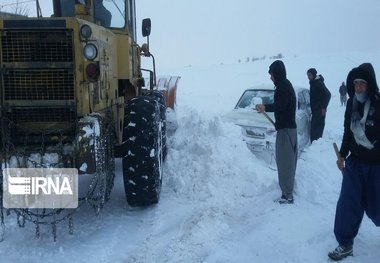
{"type": "Point", "coordinates": [358, 123]}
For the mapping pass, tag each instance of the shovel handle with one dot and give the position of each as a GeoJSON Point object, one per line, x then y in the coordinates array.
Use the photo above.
{"type": "Point", "coordinates": [269, 118]}
{"type": "Point", "coordinates": [336, 151]}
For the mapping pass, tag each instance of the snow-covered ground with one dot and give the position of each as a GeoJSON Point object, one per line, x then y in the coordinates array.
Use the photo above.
{"type": "Point", "coordinates": [217, 197]}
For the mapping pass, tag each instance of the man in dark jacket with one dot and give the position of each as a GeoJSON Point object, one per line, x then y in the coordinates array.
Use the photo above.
{"type": "Point", "coordinates": [359, 160]}
{"type": "Point", "coordinates": [284, 108]}
{"type": "Point", "coordinates": [319, 99]}
{"type": "Point", "coordinates": [343, 94]}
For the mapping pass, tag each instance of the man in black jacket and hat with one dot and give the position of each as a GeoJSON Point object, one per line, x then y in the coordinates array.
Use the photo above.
{"type": "Point", "coordinates": [319, 99]}
{"type": "Point", "coordinates": [284, 108]}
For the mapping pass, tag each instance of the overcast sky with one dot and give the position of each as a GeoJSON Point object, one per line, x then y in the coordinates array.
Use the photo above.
{"type": "Point", "coordinates": [219, 31]}
{"type": "Point", "coordinates": [215, 31]}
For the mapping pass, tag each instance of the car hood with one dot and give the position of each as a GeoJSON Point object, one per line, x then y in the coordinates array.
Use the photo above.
{"type": "Point", "coordinates": [248, 117]}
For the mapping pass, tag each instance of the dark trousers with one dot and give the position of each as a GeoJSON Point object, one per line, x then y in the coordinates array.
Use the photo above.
{"type": "Point", "coordinates": [317, 126]}
{"type": "Point", "coordinates": [360, 193]}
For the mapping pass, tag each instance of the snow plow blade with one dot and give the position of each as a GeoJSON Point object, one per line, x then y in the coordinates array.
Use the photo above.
{"type": "Point", "coordinates": [168, 86]}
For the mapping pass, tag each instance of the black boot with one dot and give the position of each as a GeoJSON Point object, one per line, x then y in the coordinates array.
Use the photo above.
{"type": "Point", "coordinates": [341, 252]}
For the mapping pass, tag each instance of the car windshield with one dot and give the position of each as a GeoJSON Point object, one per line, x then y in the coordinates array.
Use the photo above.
{"type": "Point", "coordinates": [252, 97]}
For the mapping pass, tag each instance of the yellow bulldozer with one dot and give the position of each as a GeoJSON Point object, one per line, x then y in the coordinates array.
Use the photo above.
{"type": "Point", "coordinates": [73, 95]}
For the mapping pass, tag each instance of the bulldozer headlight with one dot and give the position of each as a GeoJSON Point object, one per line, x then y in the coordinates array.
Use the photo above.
{"type": "Point", "coordinates": [85, 31]}
{"type": "Point", "coordinates": [90, 51]}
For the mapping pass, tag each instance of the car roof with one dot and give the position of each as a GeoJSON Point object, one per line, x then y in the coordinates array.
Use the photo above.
{"type": "Point", "coordinates": [270, 87]}
{"type": "Point", "coordinates": [262, 87]}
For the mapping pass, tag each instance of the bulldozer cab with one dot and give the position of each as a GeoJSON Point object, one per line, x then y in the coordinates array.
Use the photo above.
{"type": "Point", "coordinates": [117, 14]}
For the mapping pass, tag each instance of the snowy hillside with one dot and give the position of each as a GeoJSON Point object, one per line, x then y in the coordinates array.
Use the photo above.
{"type": "Point", "coordinates": [217, 197]}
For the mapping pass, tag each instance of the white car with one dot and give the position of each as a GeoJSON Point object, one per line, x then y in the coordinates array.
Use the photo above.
{"type": "Point", "coordinates": [257, 128]}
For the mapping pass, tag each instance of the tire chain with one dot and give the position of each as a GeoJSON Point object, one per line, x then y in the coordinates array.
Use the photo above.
{"type": "Point", "coordinates": [97, 200]}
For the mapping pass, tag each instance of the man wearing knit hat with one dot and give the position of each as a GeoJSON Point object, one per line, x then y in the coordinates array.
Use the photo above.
{"type": "Point", "coordinates": [319, 99]}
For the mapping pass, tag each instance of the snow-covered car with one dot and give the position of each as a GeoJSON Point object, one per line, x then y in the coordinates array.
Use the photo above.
{"type": "Point", "coordinates": [257, 129]}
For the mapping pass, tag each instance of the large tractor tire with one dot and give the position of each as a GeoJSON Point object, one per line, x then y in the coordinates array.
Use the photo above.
{"type": "Point", "coordinates": [142, 162]}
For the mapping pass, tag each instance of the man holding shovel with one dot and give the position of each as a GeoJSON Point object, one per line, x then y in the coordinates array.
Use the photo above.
{"type": "Point", "coordinates": [284, 108]}
{"type": "Point", "coordinates": [359, 160]}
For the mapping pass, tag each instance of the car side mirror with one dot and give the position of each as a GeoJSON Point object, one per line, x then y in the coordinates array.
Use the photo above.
{"type": "Point", "coordinates": [146, 27]}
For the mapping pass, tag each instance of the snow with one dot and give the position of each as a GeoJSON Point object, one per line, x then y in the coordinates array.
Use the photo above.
{"type": "Point", "coordinates": [217, 197]}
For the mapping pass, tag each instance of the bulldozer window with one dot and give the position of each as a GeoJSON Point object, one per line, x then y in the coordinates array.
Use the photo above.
{"type": "Point", "coordinates": [67, 8]}
{"type": "Point", "coordinates": [110, 13]}
{"type": "Point", "coordinates": [102, 14]}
